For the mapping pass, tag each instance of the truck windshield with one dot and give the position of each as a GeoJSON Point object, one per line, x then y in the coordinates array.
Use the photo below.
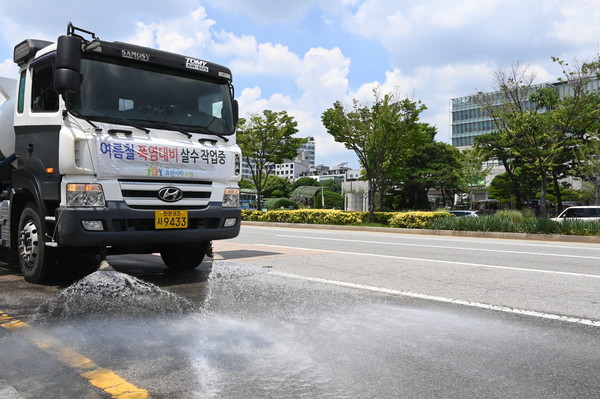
{"type": "Point", "coordinates": [153, 96]}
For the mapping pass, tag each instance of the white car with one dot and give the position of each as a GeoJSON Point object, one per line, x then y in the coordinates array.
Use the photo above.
{"type": "Point", "coordinates": [588, 213]}
{"type": "Point", "coordinates": [461, 213]}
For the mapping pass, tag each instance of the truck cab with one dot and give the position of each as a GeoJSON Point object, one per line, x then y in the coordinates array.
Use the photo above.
{"type": "Point", "coordinates": [115, 148]}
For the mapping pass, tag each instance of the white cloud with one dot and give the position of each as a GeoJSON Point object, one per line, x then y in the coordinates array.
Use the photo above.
{"type": "Point", "coordinates": [111, 20]}
{"type": "Point", "coordinates": [455, 14]}
{"type": "Point", "coordinates": [438, 32]}
{"type": "Point", "coordinates": [227, 43]}
{"type": "Point", "coordinates": [251, 101]}
{"type": "Point", "coordinates": [8, 69]}
{"type": "Point", "coordinates": [323, 77]}
{"type": "Point", "coordinates": [282, 12]}
{"type": "Point", "coordinates": [434, 86]}
{"type": "Point", "coordinates": [145, 35]}
{"type": "Point", "coordinates": [300, 57]}
{"type": "Point", "coordinates": [194, 34]}
{"type": "Point", "coordinates": [264, 59]}
{"type": "Point", "coordinates": [384, 22]}
{"type": "Point", "coordinates": [188, 34]}
{"type": "Point", "coordinates": [579, 24]}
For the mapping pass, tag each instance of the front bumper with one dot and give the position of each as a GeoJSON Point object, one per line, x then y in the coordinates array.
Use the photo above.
{"type": "Point", "coordinates": [135, 227]}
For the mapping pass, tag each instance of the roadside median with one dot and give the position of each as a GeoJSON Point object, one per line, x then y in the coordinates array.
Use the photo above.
{"type": "Point", "coordinates": [451, 233]}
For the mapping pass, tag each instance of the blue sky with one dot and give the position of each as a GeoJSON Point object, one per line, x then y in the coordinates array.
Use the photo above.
{"type": "Point", "coordinates": [302, 56]}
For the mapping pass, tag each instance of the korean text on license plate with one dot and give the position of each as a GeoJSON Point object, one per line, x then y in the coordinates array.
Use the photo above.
{"type": "Point", "coordinates": [173, 219]}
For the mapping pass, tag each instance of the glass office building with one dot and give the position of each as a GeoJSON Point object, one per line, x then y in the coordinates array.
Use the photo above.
{"type": "Point", "coordinates": [469, 120]}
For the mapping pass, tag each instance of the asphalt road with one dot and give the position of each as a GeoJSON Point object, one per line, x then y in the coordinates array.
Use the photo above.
{"type": "Point", "coordinates": [291, 313]}
{"type": "Point", "coordinates": [560, 279]}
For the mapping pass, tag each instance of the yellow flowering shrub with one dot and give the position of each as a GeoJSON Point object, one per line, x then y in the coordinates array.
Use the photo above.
{"type": "Point", "coordinates": [415, 220]}
{"type": "Point", "coordinates": [309, 216]}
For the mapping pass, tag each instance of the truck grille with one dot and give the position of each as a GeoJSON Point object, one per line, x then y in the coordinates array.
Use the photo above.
{"type": "Point", "coordinates": [148, 224]}
{"type": "Point", "coordinates": [144, 194]}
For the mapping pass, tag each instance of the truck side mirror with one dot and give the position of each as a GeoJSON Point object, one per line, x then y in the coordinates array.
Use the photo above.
{"type": "Point", "coordinates": [68, 61]}
{"type": "Point", "coordinates": [236, 111]}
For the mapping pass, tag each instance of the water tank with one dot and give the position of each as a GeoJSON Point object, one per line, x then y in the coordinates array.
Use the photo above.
{"type": "Point", "coordinates": [7, 130]}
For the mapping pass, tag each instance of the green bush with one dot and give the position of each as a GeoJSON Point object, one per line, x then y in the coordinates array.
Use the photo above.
{"type": "Point", "coordinates": [277, 203]}
{"type": "Point", "coordinates": [500, 222]}
{"type": "Point", "coordinates": [517, 216]}
{"type": "Point", "coordinates": [380, 217]}
{"type": "Point", "coordinates": [512, 222]}
{"type": "Point", "coordinates": [417, 220]}
{"type": "Point", "coordinates": [504, 221]}
{"type": "Point", "coordinates": [383, 217]}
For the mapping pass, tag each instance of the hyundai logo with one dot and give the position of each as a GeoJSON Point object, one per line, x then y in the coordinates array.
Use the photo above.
{"type": "Point", "coordinates": [170, 194]}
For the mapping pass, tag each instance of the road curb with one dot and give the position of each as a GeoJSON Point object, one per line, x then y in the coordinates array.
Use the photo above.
{"type": "Point", "coordinates": [450, 233]}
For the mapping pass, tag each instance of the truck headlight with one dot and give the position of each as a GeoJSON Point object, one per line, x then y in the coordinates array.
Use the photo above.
{"type": "Point", "coordinates": [80, 194]}
{"type": "Point", "coordinates": [231, 197]}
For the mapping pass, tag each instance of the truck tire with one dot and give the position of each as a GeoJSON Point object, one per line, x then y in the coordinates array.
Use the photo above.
{"type": "Point", "coordinates": [37, 261]}
{"type": "Point", "coordinates": [184, 256]}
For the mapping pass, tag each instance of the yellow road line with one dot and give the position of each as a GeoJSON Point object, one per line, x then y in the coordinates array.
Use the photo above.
{"type": "Point", "coordinates": [99, 377]}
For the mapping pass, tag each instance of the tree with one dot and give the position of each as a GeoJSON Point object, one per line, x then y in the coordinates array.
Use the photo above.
{"type": "Point", "coordinates": [589, 170]}
{"type": "Point", "coordinates": [377, 134]}
{"type": "Point", "coordinates": [332, 185]}
{"type": "Point", "coordinates": [427, 165]}
{"type": "Point", "coordinates": [267, 140]}
{"type": "Point", "coordinates": [575, 118]}
{"type": "Point", "coordinates": [245, 183]}
{"type": "Point", "coordinates": [475, 173]}
{"type": "Point", "coordinates": [501, 188]}
{"type": "Point", "coordinates": [494, 147]}
{"type": "Point", "coordinates": [328, 200]}
{"type": "Point", "coordinates": [277, 183]}
{"type": "Point", "coordinates": [305, 181]}
{"type": "Point", "coordinates": [538, 128]}
{"type": "Point", "coordinates": [446, 171]}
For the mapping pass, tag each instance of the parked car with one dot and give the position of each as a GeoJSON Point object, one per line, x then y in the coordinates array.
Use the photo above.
{"type": "Point", "coordinates": [462, 212]}
{"type": "Point", "coordinates": [589, 213]}
{"type": "Point", "coordinates": [536, 203]}
{"type": "Point", "coordinates": [489, 206]}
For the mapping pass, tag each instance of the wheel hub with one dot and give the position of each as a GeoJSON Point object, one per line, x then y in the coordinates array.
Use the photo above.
{"type": "Point", "coordinates": [29, 243]}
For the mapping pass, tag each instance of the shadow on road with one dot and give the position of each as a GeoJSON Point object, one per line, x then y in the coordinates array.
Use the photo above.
{"type": "Point", "coordinates": [246, 253]}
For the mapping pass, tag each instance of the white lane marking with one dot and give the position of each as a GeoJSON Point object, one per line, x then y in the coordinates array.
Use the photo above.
{"type": "Point", "coordinates": [543, 315]}
{"type": "Point", "coordinates": [448, 262]}
{"type": "Point", "coordinates": [443, 247]}
{"type": "Point", "coordinates": [591, 246]}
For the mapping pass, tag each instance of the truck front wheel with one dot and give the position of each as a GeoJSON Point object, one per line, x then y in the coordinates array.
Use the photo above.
{"type": "Point", "coordinates": [36, 260]}
{"type": "Point", "coordinates": [185, 256]}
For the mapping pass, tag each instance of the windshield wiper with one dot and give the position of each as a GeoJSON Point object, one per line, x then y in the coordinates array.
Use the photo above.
{"type": "Point", "coordinates": [179, 128]}
{"type": "Point", "coordinates": [127, 122]}
{"type": "Point", "coordinates": [219, 135]}
{"type": "Point", "coordinates": [77, 114]}
{"type": "Point", "coordinates": [166, 125]}
{"type": "Point", "coordinates": [204, 130]}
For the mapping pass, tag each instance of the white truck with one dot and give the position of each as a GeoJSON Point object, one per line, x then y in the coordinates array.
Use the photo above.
{"type": "Point", "coordinates": [112, 148]}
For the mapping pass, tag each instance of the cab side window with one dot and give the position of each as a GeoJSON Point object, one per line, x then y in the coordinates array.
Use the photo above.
{"type": "Point", "coordinates": [43, 96]}
{"type": "Point", "coordinates": [21, 98]}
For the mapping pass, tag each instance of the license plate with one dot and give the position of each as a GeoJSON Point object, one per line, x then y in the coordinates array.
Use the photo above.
{"type": "Point", "coordinates": [170, 219]}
